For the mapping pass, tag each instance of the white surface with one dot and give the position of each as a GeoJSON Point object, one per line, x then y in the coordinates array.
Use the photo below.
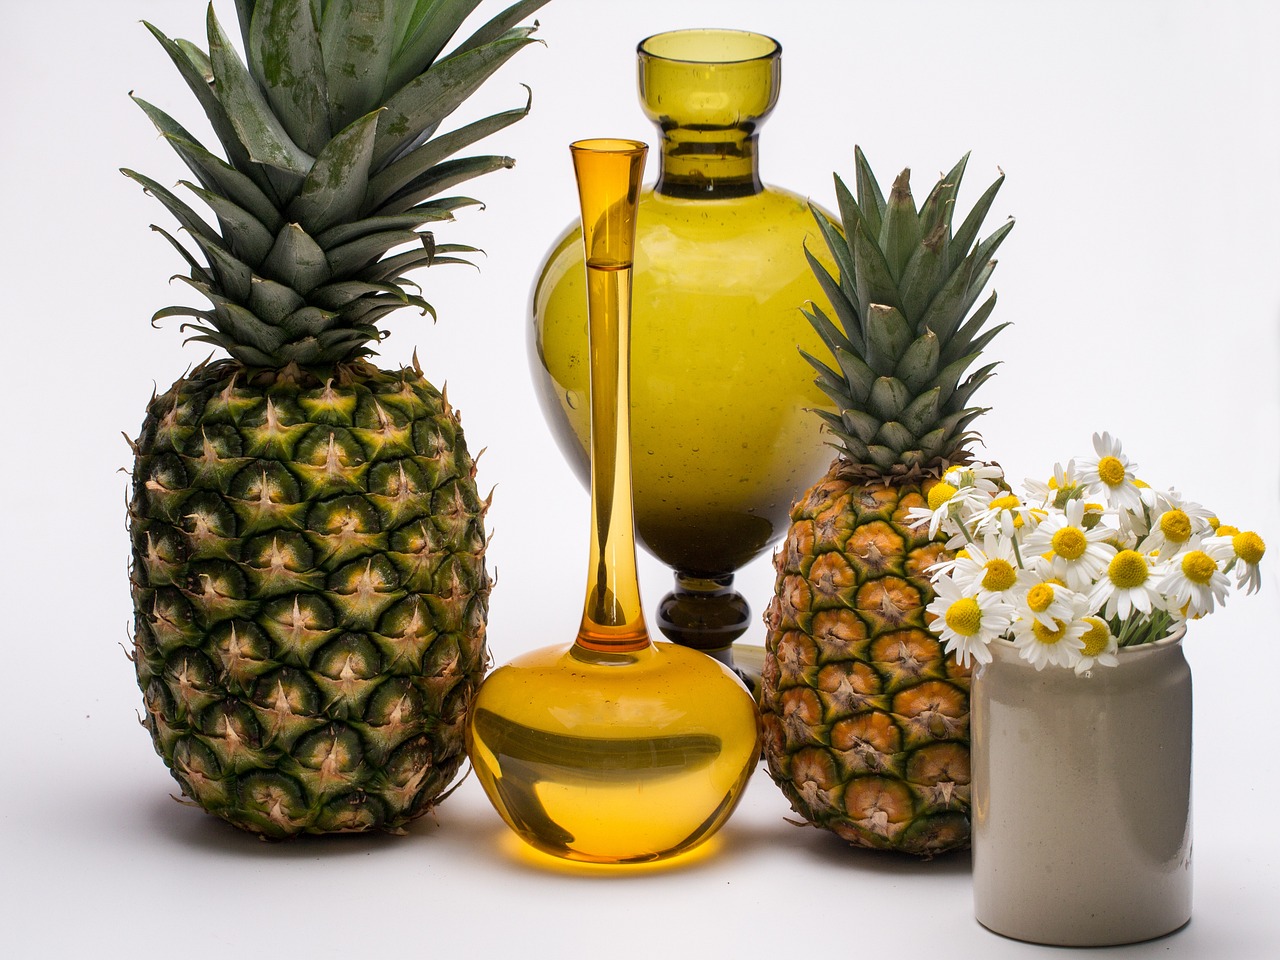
{"type": "Point", "coordinates": [1142, 147]}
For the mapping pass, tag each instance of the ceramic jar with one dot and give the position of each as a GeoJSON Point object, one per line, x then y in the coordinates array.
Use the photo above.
{"type": "Point", "coordinates": [1082, 797]}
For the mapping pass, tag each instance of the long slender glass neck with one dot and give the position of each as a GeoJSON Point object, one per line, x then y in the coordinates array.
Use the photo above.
{"type": "Point", "coordinates": [608, 173]}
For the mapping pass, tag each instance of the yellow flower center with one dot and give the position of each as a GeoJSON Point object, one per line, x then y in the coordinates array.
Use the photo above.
{"type": "Point", "coordinates": [1040, 597]}
{"type": "Point", "coordinates": [1176, 526]}
{"type": "Point", "coordinates": [965, 616]}
{"type": "Point", "coordinates": [1070, 543]}
{"type": "Point", "coordinates": [1225, 529]}
{"type": "Point", "coordinates": [1007, 502]}
{"type": "Point", "coordinates": [1248, 546]}
{"type": "Point", "coordinates": [1128, 569]}
{"type": "Point", "coordinates": [999, 575]}
{"type": "Point", "coordinates": [1047, 636]}
{"type": "Point", "coordinates": [1111, 471]}
{"type": "Point", "coordinates": [1096, 637]}
{"type": "Point", "coordinates": [940, 493]}
{"type": "Point", "coordinates": [1198, 567]}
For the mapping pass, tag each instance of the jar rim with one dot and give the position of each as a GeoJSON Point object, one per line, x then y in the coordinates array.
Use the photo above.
{"type": "Point", "coordinates": [1174, 637]}
{"type": "Point", "coordinates": [679, 46]}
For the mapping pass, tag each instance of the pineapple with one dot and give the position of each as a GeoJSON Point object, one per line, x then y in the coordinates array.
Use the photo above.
{"type": "Point", "coordinates": [865, 719]}
{"type": "Point", "coordinates": [308, 571]}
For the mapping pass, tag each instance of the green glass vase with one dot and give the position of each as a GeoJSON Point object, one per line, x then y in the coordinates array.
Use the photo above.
{"type": "Point", "coordinates": [721, 437]}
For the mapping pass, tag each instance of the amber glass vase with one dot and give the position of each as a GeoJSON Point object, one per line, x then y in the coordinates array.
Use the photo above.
{"type": "Point", "coordinates": [721, 436]}
{"type": "Point", "coordinates": [612, 749]}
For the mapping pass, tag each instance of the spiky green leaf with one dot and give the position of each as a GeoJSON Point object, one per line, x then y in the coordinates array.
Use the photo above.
{"type": "Point", "coordinates": [860, 424]}
{"type": "Point", "coordinates": [919, 364]}
{"type": "Point", "coordinates": [256, 125]}
{"type": "Point", "coordinates": [839, 249]}
{"type": "Point", "coordinates": [359, 38]}
{"type": "Point", "coordinates": [923, 412]}
{"type": "Point", "coordinates": [427, 99]}
{"type": "Point", "coordinates": [273, 301]}
{"type": "Point", "coordinates": [900, 231]}
{"type": "Point", "coordinates": [888, 398]}
{"type": "Point", "coordinates": [296, 260]}
{"type": "Point", "coordinates": [433, 26]}
{"type": "Point", "coordinates": [503, 24]}
{"type": "Point", "coordinates": [888, 336]}
{"type": "Point", "coordinates": [965, 237]}
{"type": "Point", "coordinates": [242, 232]}
{"type": "Point", "coordinates": [870, 198]}
{"type": "Point", "coordinates": [334, 190]}
{"type": "Point", "coordinates": [443, 177]}
{"type": "Point", "coordinates": [284, 48]}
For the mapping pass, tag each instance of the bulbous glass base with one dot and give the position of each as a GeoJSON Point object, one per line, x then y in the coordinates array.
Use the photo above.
{"type": "Point", "coordinates": [613, 758]}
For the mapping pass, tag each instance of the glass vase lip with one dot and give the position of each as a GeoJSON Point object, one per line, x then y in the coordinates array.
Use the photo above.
{"type": "Point", "coordinates": [709, 45]}
{"type": "Point", "coordinates": [609, 145]}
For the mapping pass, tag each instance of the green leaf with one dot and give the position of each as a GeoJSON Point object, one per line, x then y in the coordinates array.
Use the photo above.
{"type": "Point", "coordinates": [859, 424]}
{"type": "Point", "coordinates": [503, 24]}
{"type": "Point", "coordinates": [964, 238]}
{"type": "Point", "coordinates": [894, 435]}
{"type": "Point", "coordinates": [198, 271]}
{"type": "Point", "coordinates": [244, 9]}
{"type": "Point", "coordinates": [242, 232]}
{"type": "Point", "coordinates": [826, 330]}
{"type": "Point", "coordinates": [870, 199]}
{"type": "Point", "coordinates": [919, 364]}
{"type": "Point", "coordinates": [284, 49]}
{"type": "Point", "coordinates": [875, 283]}
{"type": "Point", "coordinates": [963, 342]}
{"type": "Point", "coordinates": [947, 308]}
{"type": "Point", "coordinates": [434, 24]}
{"type": "Point", "coordinates": [922, 412]}
{"type": "Point", "coordinates": [273, 301]}
{"type": "Point", "coordinates": [199, 59]}
{"type": "Point", "coordinates": [829, 382]}
{"type": "Point", "coordinates": [888, 336]}
{"type": "Point", "coordinates": [888, 398]}
{"type": "Point", "coordinates": [442, 177]}
{"type": "Point", "coordinates": [190, 220]}
{"type": "Point", "coordinates": [949, 378]}
{"type": "Point", "coordinates": [900, 230]}
{"type": "Point", "coordinates": [420, 160]}
{"type": "Point", "coordinates": [296, 260]}
{"type": "Point", "coordinates": [233, 275]}
{"type": "Point", "coordinates": [848, 314]}
{"type": "Point", "coordinates": [241, 325]}
{"type": "Point", "coordinates": [193, 73]}
{"type": "Point", "coordinates": [924, 272]}
{"type": "Point", "coordinates": [308, 322]}
{"type": "Point", "coordinates": [857, 375]}
{"type": "Point", "coordinates": [335, 296]}
{"type": "Point", "coordinates": [257, 127]}
{"type": "Point", "coordinates": [940, 205]}
{"type": "Point", "coordinates": [213, 172]}
{"type": "Point", "coordinates": [351, 258]}
{"type": "Point", "coordinates": [334, 191]}
{"type": "Point", "coordinates": [359, 38]}
{"type": "Point", "coordinates": [427, 99]}
{"type": "Point", "coordinates": [973, 382]}
{"type": "Point", "coordinates": [412, 220]}
{"type": "Point", "coordinates": [839, 249]}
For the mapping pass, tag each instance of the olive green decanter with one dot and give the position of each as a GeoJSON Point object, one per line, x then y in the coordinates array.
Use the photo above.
{"type": "Point", "coordinates": [721, 437]}
{"type": "Point", "coordinates": [612, 749]}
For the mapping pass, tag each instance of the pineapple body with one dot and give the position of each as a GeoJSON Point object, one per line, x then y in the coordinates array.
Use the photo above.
{"type": "Point", "coordinates": [866, 721]}
{"type": "Point", "coordinates": [309, 592]}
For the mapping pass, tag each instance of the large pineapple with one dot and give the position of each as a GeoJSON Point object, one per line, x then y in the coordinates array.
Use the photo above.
{"type": "Point", "coordinates": [308, 573]}
{"type": "Point", "coordinates": [866, 721]}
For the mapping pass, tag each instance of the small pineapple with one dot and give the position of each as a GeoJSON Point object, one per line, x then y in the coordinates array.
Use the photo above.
{"type": "Point", "coordinates": [866, 720]}
{"type": "Point", "coordinates": [308, 572]}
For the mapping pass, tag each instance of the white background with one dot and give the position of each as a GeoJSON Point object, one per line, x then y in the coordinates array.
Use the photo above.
{"type": "Point", "coordinates": [1142, 147]}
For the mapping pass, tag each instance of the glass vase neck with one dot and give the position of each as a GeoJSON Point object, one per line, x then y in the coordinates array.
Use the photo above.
{"type": "Point", "coordinates": [708, 91]}
{"type": "Point", "coordinates": [608, 174]}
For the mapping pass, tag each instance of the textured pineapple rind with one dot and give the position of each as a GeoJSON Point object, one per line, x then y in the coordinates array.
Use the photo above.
{"type": "Point", "coordinates": [310, 595]}
{"type": "Point", "coordinates": [865, 720]}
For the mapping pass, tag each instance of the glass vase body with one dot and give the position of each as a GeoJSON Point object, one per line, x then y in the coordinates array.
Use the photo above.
{"type": "Point", "coordinates": [722, 436]}
{"type": "Point", "coordinates": [1082, 797]}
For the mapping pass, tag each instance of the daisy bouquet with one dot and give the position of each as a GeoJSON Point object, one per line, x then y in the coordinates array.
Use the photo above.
{"type": "Point", "coordinates": [1092, 560]}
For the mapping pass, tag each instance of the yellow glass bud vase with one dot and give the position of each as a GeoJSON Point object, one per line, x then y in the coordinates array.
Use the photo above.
{"type": "Point", "coordinates": [612, 749]}
{"type": "Point", "coordinates": [722, 438]}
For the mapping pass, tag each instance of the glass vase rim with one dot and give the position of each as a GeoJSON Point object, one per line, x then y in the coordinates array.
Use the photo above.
{"type": "Point", "coordinates": [619, 145]}
{"type": "Point", "coordinates": [772, 49]}
{"type": "Point", "coordinates": [1173, 638]}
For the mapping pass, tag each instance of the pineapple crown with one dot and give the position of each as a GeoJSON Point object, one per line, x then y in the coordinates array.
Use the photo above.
{"type": "Point", "coordinates": [906, 284]}
{"type": "Point", "coordinates": [331, 162]}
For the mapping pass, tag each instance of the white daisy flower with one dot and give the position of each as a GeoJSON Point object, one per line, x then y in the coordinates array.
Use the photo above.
{"type": "Point", "coordinates": [1241, 550]}
{"type": "Point", "coordinates": [1075, 554]}
{"type": "Point", "coordinates": [966, 623]}
{"type": "Point", "coordinates": [1007, 515]}
{"type": "Point", "coordinates": [1100, 646]}
{"type": "Point", "coordinates": [1110, 474]}
{"type": "Point", "coordinates": [1193, 584]}
{"type": "Point", "coordinates": [990, 569]}
{"type": "Point", "coordinates": [1064, 485]}
{"type": "Point", "coordinates": [1059, 643]}
{"type": "Point", "coordinates": [1129, 584]}
{"type": "Point", "coordinates": [1046, 603]}
{"type": "Point", "coordinates": [1178, 527]}
{"type": "Point", "coordinates": [952, 501]}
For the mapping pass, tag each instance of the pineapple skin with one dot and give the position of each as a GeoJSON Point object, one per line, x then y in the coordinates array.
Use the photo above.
{"type": "Point", "coordinates": [310, 594]}
{"type": "Point", "coordinates": [866, 721]}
